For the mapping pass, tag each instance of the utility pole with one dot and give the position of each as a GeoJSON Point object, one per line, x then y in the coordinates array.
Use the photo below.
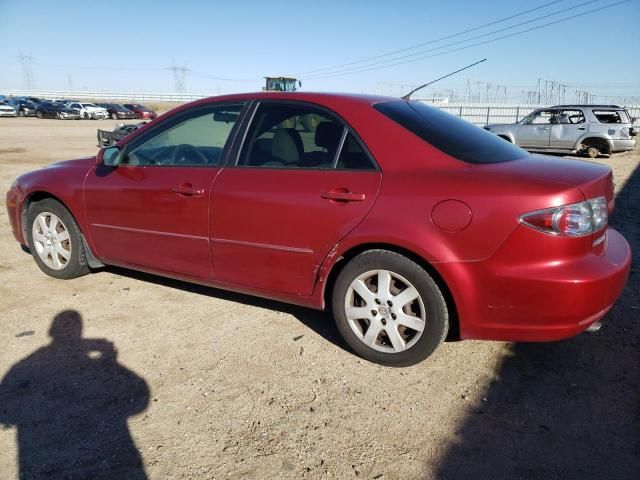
{"type": "Point", "coordinates": [69, 82]}
{"type": "Point", "coordinates": [26, 62]}
{"type": "Point", "coordinates": [179, 76]}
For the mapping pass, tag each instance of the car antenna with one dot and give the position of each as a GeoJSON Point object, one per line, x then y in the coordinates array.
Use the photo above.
{"type": "Point", "coordinates": [408, 95]}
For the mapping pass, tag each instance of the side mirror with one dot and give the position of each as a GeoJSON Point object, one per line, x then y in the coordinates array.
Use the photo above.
{"type": "Point", "coordinates": [109, 156]}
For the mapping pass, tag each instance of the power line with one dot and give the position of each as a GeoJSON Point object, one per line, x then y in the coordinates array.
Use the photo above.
{"type": "Point", "coordinates": [330, 75]}
{"type": "Point", "coordinates": [464, 40]}
{"type": "Point", "coordinates": [388, 54]}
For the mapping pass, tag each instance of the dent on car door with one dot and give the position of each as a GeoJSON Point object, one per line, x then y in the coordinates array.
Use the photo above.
{"type": "Point", "coordinates": [152, 210]}
{"type": "Point", "coordinates": [302, 182]}
{"type": "Point", "coordinates": [568, 127]}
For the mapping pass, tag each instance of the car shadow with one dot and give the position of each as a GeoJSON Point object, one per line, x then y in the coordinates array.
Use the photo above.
{"type": "Point", "coordinates": [321, 322]}
{"type": "Point", "coordinates": [70, 401]}
{"type": "Point", "coordinates": [563, 410]}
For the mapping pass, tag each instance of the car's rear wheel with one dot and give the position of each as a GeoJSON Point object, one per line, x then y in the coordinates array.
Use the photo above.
{"type": "Point", "coordinates": [389, 309]}
{"type": "Point", "coordinates": [55, 240]}
{"type": "Point", "coordinates": [39, 115]}
{"type": "Point", "coordinates": [114, 116]}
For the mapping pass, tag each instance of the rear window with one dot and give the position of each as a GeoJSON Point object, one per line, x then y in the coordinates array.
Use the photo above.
{"type": "Point", "coordinates": [451, 135]}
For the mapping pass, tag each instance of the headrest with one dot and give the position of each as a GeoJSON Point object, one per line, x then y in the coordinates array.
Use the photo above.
{"type": "Point", "coordinates": [328, 135]}
{"type": "Point", "coordinates": [287, 145]}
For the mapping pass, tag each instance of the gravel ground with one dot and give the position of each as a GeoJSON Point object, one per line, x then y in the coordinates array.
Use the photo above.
{"type": "Point", "coordinates": [176, 381]}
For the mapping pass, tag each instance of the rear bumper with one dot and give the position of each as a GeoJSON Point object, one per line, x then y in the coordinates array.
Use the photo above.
{"type": "Point", "coordinates": [502, 299]}
{"type": "Point", "coordinates": [623, 145]}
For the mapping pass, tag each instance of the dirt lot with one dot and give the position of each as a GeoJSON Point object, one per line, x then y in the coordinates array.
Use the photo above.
{"type": "Point", "coordinates": [217, 385]}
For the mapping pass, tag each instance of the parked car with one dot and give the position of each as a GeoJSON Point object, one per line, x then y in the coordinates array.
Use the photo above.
{"type": "Point", "coordinates": [406, 221]}
{"type": "Point", "coordinates": [108, 138]}
{"type": "Point", "coordinates": [117, 112]}
{"type": "Point", "coordinates": [89, 111]}
{"type": "Point", "coordinates": [6, 110]}
{"type": "Point", "coordinates": [24, 108]}
{"type": "Point", "coordinates": [141, 111]}
{"type": "Point", "coordinates": [586, 129]}
{"type": "Point", "coordinates": [57, 110]}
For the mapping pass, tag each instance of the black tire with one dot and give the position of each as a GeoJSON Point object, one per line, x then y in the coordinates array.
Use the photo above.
{"type": "Point", "coordinates": [435, 307]}
{"type": "Point", "coordinates": [76, 265]}
{"type": "Point", "coordinates": [39, 115]}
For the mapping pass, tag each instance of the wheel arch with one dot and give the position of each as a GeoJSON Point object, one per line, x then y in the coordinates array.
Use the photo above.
{"type": "Point", "coordinates": [39, 195]}
{"type": "Point", "coordinates": [595, 140]}
{"type": "Point", "coordinates": [353, 251]}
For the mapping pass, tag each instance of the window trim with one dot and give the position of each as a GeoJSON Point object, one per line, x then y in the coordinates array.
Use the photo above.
{"type": "Point", "coordinates": [238, 147]}
{"type": "Point", "coordinates": [174, 120]}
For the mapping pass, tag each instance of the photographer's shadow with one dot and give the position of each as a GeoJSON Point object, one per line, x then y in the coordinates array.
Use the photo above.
{"type": "Point", "coordinates": [70, 401]}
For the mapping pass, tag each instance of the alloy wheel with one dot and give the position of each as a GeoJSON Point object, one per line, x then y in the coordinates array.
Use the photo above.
{"type": "Point", "coordinates": [51, 240]}
{"type": "Point", "coordinates": [385, 311]}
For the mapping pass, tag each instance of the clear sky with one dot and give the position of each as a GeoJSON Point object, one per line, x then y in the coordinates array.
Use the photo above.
{"type": "Point", "coordinates": [126, 45]}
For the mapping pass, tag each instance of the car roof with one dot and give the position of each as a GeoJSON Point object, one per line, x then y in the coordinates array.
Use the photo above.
{"type": "Point", "coordinates": [587, 106]}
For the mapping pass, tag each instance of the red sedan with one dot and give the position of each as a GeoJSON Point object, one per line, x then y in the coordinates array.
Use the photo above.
{"type": "Point", "coordinates": [140, 111]}
{"type": "Point", "coordinates": [406, 221]}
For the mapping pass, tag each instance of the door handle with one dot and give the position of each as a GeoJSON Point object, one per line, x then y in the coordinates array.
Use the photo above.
{"type": "Point", "coordinates": [343, 195]}
{"type": "Point", "coordinates": [582, 128]}
{"type": "Point", "coordinates": [188, 190]}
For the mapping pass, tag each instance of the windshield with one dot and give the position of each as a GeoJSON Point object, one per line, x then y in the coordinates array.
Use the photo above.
{"type": "Point", "coordinates": [450, 134]}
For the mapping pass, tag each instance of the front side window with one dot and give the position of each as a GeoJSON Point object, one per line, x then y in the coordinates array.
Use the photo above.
{"type": "Point", "coordinates": [299, 136]}
{"type": "Point", "coordinates": [197, 140]}
{"type": "Point", "coordinates": [543, 117]}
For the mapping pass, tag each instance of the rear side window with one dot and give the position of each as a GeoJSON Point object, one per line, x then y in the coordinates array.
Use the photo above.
{"type": "Point", "coordinates": [611, 116]}
{"type": "Point", "coordinates": [451, 135]}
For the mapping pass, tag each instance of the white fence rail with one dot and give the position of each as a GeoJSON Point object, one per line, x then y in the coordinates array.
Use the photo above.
{"type": "Point", "coordinates": [477, 113]}
{"type": "Point", "coordinates": [483, 114]}
{"type": "Point", "coordinates": [121, 96]}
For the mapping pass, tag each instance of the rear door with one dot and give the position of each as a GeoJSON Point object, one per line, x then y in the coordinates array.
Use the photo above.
{"type": "Point", "coordinates": [535, 130]}
{"type": "Point", "coordinates": [152, 210]}
{"type": "Point", "coordinates": [301, 181]}
{"type": "Point", "coordinates": [568, 128]}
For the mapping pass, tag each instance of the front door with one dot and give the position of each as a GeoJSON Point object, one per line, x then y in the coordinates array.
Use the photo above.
{"type": "Point", "coordinates": [302, 181]}
{"type": "Point", "coordinates": [152, 210]}
{"type": "Point", "coordinates": [535, 129]}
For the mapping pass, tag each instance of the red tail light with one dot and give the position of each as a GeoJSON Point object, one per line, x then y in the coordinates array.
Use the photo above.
{"type": "Point", "coordinates": [573, 220]}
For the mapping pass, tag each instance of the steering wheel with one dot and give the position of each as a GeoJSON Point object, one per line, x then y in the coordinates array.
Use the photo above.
{"type": "Point", "coordinates": [181, 152]}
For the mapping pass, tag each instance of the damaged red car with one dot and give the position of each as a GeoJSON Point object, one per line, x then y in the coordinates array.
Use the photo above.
{"type": "Point", "coordinates": [409, 224]}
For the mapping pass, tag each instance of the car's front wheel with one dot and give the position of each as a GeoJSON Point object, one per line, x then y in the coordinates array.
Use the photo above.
{"type": "Point", "coordinates": [55, 240]}
{"type": "Point", "coordinates": [389, 309]}
{"type": "Point", "coordinates": [114, 116]}
{"type": "Point", "coordinates": [39, 115]}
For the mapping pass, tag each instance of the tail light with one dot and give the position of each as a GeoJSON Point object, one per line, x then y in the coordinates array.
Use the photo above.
{"type": "Point", "coordinates": [573, 220]}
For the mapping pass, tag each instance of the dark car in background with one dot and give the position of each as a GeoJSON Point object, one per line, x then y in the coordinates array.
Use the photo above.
{"type": "Point", "coordinates": [57, 110]}
{"type": "Point", "coordinates": [141, 111]}
{"type": "Point", "coordinates": [117, 111]}
{"type": "Point", "coordinates": [24, 108]}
